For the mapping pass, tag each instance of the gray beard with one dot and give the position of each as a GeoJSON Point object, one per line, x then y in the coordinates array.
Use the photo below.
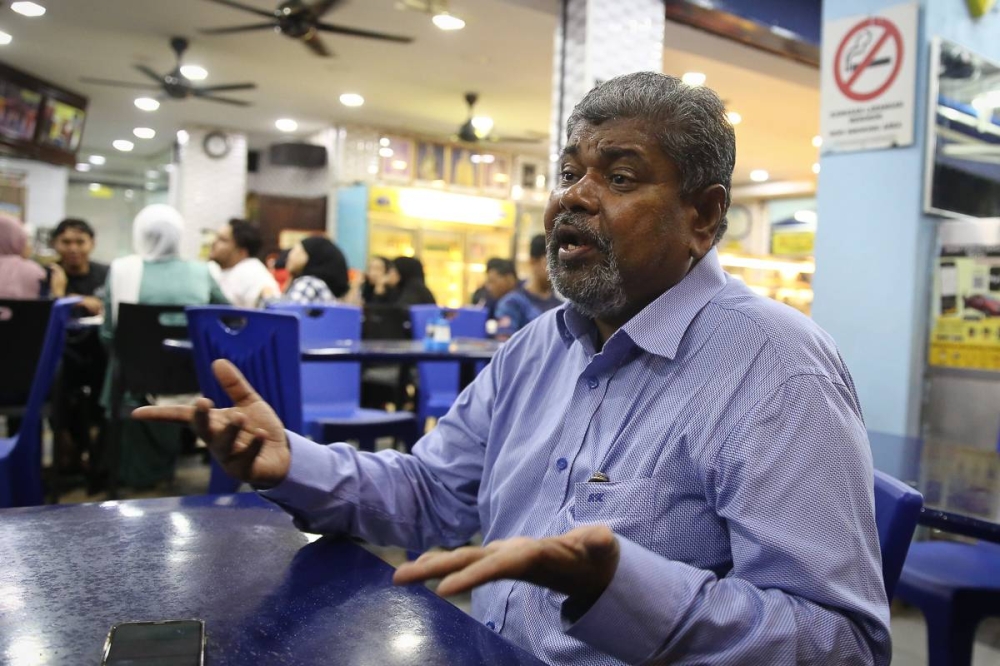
{"type": "Point", "coordinates": [596, 292]}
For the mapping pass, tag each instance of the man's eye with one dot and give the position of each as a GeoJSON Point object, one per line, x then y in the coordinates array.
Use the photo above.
{"type": "Point", "coordinates": [619, 179]}
{"type": "Point", "coordinates": [567, 176]}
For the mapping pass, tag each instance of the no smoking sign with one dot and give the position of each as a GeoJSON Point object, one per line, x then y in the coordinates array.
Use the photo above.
{"type": "Point", "coordinates": [869, 59]}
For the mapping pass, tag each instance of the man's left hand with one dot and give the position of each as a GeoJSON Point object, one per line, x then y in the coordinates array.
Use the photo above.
{"type": "Point", "coordinates": [580, 564]}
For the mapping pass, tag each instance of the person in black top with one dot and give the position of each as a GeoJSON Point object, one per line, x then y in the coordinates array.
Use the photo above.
{"type": "Point", "coordinates": [407, 277]}
{"type": "Point", "coordinates": [77, 418]}
{"type": "Point", "coordinates": [376, 289]}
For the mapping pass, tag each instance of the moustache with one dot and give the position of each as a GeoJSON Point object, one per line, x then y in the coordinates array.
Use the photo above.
{"type": "Point", "coordinates": [577, 222]}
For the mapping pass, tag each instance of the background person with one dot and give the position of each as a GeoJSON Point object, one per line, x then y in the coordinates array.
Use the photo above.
{"type": "Point", "coordinates": [243, 278]}
{"type": "Point", "coordinates": [20, 277]}
{"type": "Point", "coordinates": [319, 272]}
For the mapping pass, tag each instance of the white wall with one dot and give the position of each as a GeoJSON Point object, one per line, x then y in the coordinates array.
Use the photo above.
{"type": "Point", "coordinates": [46, 189]}
{"type": "Point", "coordinates": [111, 218]}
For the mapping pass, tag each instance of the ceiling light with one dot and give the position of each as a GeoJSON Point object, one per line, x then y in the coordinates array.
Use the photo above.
{"type": "Point", "coordinates": [476, 159]}
{"type": "Point", "coordinates": [446, 21]}
{"type": "Point", "coordinates": [286, 124]}
{"type": "Point", "coordinates": [734, 117]}
{"type": "Point", "coordinates": [482, 125]}
{"type": "Point", "coordinates": [152, 173]}
{"type": "Point", "coordinates": [372, 169]}
{"type": "Point", "coordinates": [384, 142]}
{"type": "Point", "coordinates": [123, 145]}
{"type": "Point", "coordinates": [385, 152]}
{"type": "Point", "coordinates": [399, 165]}
{"type": "Point", "coordinates": [489, 159]}
{"type": "Point", "coordinates": [169, 168]}
{"type": "Point", "coordinates": [5, 38]}
{"type": "Point", "coordinates": [97, 160]}
{"type": "Point", "coordinates": [987, 101]}
{"type": "Point", "coordinates": [147, 103]}
{"type": "Point", "coordinates": [759, 175]}
{"type": "Point", "coordinates": [93, 187]}
{"type": "Point", "coordinates": [693, 78]}
{"type": "Point", "coordinates": [150, 187]}
{"type": "Point", "coordinates": [352, 99]}
{"type": "Point", "coordinates": [27, 8]}
{"type": "Point", "coordinates": [82, 166]}
{"type": "Point", "coordinates": [182, 137]}
{"type": "Point", "coordinates": [129, 194]}
{"type": "Point", "coordinates": [194, 72]}
{"type": "Point", "coordinates": [817, 141]}
{"type": "Point", "coordinates": [144, 132]}
{"type": "Point", "coordinates": [815, 167]}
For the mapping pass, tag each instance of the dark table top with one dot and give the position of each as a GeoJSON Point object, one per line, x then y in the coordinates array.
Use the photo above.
{"type": "Point", "coordinates": [267, 595]}
{"type": "Point", "coordinates": [389, 351]}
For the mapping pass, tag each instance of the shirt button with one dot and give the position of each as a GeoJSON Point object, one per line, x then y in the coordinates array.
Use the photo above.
{"type": "Point", "coordinates": [491, 626]}
{"type": "Point", "coordinates": [593, 382]}
{"type": "Point", "coordinates": [561, 464]}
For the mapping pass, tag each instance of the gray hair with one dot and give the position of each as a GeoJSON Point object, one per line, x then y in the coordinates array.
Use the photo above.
{"type": "Point", "coordinates": [689, 121]}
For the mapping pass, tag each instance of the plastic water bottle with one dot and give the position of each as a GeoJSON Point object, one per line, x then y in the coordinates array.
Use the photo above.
{"type": "Point", "coordinates": [442, 334]}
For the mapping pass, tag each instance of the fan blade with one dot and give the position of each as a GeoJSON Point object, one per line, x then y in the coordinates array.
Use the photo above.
{"type": "Point", "coordinates": [238, 28]}
{"type": "Point", "coordinates": [514, 139]}
{"type": "Point", "coordinates": [355, 32]}
{"type": "Point", "coordinates": [121, 84]}
{"type": "Point", "coordinates": [227, 86]}
{"type": "Point", "coordinates": [246, 8]}
{"type": "Point", "coordinates": [316, 45]}
{"type": "Point", "coordinates": [224, 100]}
{"type": "Point", "coordinates": [149, 72]}
{"type": "Point", "coordinates": [321, 7]}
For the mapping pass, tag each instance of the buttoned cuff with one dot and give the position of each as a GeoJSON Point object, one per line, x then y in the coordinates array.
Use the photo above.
{"type": "Point", "coordinates": [635, 616]}
{"type": "Point", "coordinates": [310, 476]}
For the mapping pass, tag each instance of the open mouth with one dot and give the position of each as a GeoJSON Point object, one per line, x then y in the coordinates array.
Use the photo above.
{"type": "Point", "coordinates": [573, 245]}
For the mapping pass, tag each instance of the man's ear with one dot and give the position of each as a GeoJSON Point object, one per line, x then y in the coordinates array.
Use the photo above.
{"type": "Point", "coordinates": [710, 206]}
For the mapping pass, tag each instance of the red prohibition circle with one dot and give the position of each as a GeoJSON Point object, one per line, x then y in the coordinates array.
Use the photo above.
{"type": "Point", "coordinates": [891, 32]}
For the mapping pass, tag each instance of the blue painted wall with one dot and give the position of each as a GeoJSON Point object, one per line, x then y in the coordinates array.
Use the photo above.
{"type": "Point", "coordinates": [875, 247]}
{"type": "Point", "coordinates": [352, 224]}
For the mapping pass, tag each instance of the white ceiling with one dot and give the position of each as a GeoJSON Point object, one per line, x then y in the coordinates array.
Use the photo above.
{"type": "Point", "coordinates": [504, 53]}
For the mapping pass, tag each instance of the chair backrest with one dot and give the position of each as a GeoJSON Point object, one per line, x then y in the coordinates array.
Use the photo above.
{"type": "Point", "coordinates": [24, 488]}
{"type": "Point", "coordinates": [142, 364]}
{"type": "Point", "coordinates": [263, 345]}
{"type": "Point", "coordinates": [335, 386]}
{"type": "Point", "coordinates": [386, 322]}
{"type": "Point", "coordinates": [22, 333]}
{"type": "Point", "coordinates": [897, 507]}
{"type": "Point", "coordinates": [464, 322]}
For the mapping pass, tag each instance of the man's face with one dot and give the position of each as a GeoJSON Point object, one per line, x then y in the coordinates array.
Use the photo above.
{"type": "Point", "coordinates": [74, 248]}
{"type": "Point", "coordinates": [223, 250]}
{"type": "Point", "coordinates": [618, 233]}
{"type": "Point", "coordinates": [498, 284]}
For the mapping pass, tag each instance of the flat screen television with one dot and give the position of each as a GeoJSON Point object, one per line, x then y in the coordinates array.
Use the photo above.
{"type": "Point", "coordinates": [39, 120]}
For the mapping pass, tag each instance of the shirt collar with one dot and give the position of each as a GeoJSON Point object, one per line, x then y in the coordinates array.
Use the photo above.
{"type": "Point", "coordinates": [660, 326]}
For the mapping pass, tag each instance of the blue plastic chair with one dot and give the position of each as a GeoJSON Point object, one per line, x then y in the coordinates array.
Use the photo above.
{"type": "Point", "coordinates": [439, 380]}
{"type": "Point", "coordinates": [897, 507]}
{"type": "Point", "coordinates": [955, 585]}
{"type": "Point", "coordinates": [331, 393]}
{"type": "Point", "coordinates": [21, 454]}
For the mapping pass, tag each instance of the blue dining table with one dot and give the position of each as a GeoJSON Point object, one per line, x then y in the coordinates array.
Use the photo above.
{"type": "Point", "coordinates": [268, 593]}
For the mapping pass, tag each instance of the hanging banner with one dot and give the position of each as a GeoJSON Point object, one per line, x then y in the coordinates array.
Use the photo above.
{"type": "Point", "coordinates": [868, 80]}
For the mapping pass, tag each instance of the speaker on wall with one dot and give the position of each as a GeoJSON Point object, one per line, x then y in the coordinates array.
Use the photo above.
{"type": "Point", "coordinates": [253, 161]}
{"type": "Point", "coordinates": [303, 155]}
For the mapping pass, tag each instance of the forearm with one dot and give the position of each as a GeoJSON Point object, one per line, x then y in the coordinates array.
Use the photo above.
{"type": "Point", "coordinates": [660, 611]}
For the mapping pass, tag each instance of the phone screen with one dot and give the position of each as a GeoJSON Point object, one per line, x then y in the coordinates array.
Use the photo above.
{"type": "Point", "coordinates": [171, 643]}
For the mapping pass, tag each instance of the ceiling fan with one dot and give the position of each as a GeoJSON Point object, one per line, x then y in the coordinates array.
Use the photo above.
{"type": "Point", "coordinates": [476, 129]}
{"type": "Point", "coordinates": [299, 19]}
{"type": "Point", "coordinates": [175, 85]}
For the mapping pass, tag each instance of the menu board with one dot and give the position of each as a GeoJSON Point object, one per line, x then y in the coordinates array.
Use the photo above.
{"type": "Point", "coordinates": [18, 111]}
{"type": "Point", "coordinates": [63, 125]}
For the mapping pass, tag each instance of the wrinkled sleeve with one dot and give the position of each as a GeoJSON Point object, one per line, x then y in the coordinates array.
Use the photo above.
{"type": "Point", "coordinates": [794, 482]}
{"type": "Point", "coordinates": [390, 498]}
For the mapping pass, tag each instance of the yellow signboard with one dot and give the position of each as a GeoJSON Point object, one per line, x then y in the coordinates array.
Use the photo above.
{"type": "Point", "coordinates": [792, 243]}
{"type": "Point", "coordinates": [441, 206]}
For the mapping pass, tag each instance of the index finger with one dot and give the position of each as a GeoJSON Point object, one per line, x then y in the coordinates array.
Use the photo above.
{"type": "Point", "coordinates": [170, 414]}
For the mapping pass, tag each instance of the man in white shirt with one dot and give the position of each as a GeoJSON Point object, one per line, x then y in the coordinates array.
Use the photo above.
{"type": "Point", "coordinates": [244, 280]}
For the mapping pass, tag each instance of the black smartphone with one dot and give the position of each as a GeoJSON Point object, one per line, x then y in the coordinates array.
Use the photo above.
{"type": "Point", "coordinates": [168, 643]}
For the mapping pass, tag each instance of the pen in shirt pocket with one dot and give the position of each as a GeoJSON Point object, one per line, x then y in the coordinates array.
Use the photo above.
{"type": "Point", "coordinates": [598, 477]}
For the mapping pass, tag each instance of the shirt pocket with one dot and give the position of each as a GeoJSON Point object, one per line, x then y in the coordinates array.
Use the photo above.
{"type": "Point", "coordinates": [633, 508]}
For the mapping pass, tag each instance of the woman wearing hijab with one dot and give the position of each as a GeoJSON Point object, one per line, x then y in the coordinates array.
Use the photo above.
{"type": "Point", "coordinates": [376, 289]}
{"type": "Point", "coordinates": [19, 277]}
{"type": "Point", "coordinates": [320, 272]}
{"type": "Point", "coordinates": [407, 277]}
{"type": "Point", "coordinates": [154, 275]}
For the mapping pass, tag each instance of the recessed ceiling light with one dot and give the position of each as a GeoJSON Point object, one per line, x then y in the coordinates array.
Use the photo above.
{"type": "Point", "coordinates": [446, 21]}
{"type": "Point", "coordinates": [286, 124]}
{"type": "Point", "coordinates": [694, 78]}
{"type": "Point", "coordinates": [147, 103]}
{"type": "Point", "coordinates": [5, 38]}
{"type": "Point", "coordinates": [27, 8]}
{"type": "Point", "coordinates": [97, 160]}
{"type": "Point", "coordinates": [372, 169]}
{"type": "Point", "coordinates": [759, 175]}
{"type": "Point", "coordinates": [352, 99]}
{"type": "Point", "coordinates": [152, 173]}
{"type": "Point", "coordinates": [182, 137]}
{"type": "Point", "coordinates": [144, 132]}
{"type": "Point", "coordinates": [93, 187]}
{"type": "Point", "coordinates": [194, 72]}
{"type": "Point", "coordinates": [385, 152]}
{"type": "Point", "coordinates": [817, 141]}
{"type": "Point", "coordinates": [384, 142]}
{"type": "Point", "coordinates": [82, 166]}
{"type": "Point", "coordinates": [805, 216]}
{"type": "Point", "coordinates": [123, 145]}
{"type": "Point", "coordinates": [815, 167]}
{"type": "Point", "coordinates": [399, 165]}
{"type": "Point", "coordinates": [734, 117]}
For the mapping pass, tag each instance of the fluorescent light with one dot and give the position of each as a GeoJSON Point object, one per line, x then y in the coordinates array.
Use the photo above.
{"type": "Point", "coordinates": [489, 159]}
{"type": "Point", "coordinates": [97, 160]}
{"type": "Point", "coordinates": [183, 137]}
{"type": "Point", "coordinates": [352, 99]}
{"type": "Point", "coordinates": [286, 124]}
{"type": "Point", "coordinates": [31, 9]}
{"type": "Point", "coordinates": [482, 125]}
{"type": "Point", "coordinates": [82, 166]}
{"type": "Point", "coordinates": [147, 103]}
{"type": "Point", "coordinates": [194, 72]}
{"type": "Point", "coordinates": [476, 159]}
{"type": "Point", "coordinates": [5, 38]}
{"type": "Point", "coordinates": [759, 175]}
{"type": "Point", "coordinates": [986, 101]}
{"type": "Point", "coordinates": [817, 141]}
{"type": "Point", "coordinates": [734, 117]}
{"type": "Point", "coordinates": [815, 167]}
{"type": "Point", "coordinates": [384, 142]}
{"type": "Point", "coordinates": [93, 187]}
{"type": "Point", "coordinates": [144, 132]}
{"type": "Point", "coordinates": [123, 145]}
{"type": "Point", "coordinates": [445, 21]}
{"type": "Point", "coordinates": [385, 152]}
{"type": "Point", "coordinates": [694, 78]}
{"type": "Point", "coordinates": [806, 216]}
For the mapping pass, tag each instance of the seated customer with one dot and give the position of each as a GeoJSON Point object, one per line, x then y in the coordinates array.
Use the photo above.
{"type": "Point", "coordinates": [376, 289]}
{"type": "Point", "coordinates": [319, 272]}
{"type": "Point", "coordinates": [406, 276]}
{"type": "Point", "coordinates": [73, 240]}
{"type": "Point", "coordinates": [668, 469]}
{"type": "Point", "coordinates": [20, 277]}
{"type": "Point", "coordinates": [522, 304]}
{"type": "Point", "coordinates": [243, 278]}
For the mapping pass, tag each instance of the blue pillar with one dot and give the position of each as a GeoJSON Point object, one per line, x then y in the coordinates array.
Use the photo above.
{"type": "Point", "coordinates": [875, 248]}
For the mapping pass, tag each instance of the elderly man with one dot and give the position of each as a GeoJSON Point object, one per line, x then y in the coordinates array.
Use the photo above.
{"type": "Point", "coordinates": [668, 469]}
